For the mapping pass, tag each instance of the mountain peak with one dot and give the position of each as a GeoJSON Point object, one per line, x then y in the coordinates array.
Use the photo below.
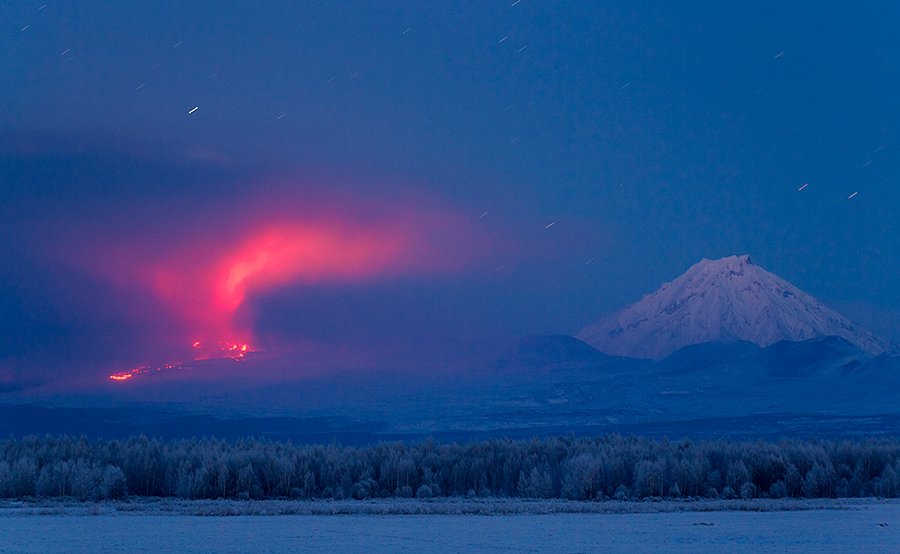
{"type": "Point", "coordinates": [727, 261]}
{"type": "Point", "coordinates": [739, 259]}
{"type": "Point", "coordinates": [725, 300]}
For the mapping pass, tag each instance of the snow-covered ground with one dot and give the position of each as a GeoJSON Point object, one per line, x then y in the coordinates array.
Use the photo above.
{"type": "Point", "coordinates": [856, 526]}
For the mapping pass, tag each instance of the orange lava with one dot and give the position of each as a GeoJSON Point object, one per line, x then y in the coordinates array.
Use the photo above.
{"type": "Point", "coordinates": [121, 376]}
{"type": "Point", "coordinates": [222, 351]}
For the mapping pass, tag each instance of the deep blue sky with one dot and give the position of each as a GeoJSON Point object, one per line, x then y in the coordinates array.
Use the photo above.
{"type": "Point", "coordinates": [651, 133]}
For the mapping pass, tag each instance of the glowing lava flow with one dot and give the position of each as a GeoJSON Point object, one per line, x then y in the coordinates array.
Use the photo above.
{"type": "Point", "coordinates": [222, 351]}
{"type": "Point", "coordinates": [146, 370]}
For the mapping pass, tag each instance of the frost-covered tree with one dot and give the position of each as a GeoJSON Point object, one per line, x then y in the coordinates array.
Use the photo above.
{"type": "Point", "coordinates": [561, 467]}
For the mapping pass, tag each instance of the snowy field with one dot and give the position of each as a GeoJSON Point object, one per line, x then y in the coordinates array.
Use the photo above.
{"type": "Point", "coordinates": [844, 526]}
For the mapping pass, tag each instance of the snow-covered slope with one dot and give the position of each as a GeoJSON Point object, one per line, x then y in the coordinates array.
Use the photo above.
{"type": "Point", "coordinates": [724, 300]}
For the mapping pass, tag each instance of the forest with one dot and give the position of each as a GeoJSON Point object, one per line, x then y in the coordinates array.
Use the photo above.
{"type": "Point", "coordinates": [601, 468]}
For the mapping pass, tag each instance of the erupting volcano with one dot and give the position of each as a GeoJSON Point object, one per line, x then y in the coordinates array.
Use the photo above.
{"type": "Point", "coordinates": [205, 282]}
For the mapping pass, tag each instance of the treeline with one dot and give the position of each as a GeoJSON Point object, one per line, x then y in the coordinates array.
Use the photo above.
{"type": "Point", "coordinates": [571, 468]}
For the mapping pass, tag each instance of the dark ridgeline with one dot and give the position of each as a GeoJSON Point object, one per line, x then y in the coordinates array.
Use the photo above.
{"type": "Point", "coordinates": [570, 468]}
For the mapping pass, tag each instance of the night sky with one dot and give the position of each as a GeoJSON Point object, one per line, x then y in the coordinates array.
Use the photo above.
{"type": "Point", "coordinates": [383, 179]}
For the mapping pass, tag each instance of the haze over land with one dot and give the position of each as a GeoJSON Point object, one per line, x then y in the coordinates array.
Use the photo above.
{"type": "Point", "coordinates": [394, 220]}
{"type": "Point", "coordinates": [747, 354]}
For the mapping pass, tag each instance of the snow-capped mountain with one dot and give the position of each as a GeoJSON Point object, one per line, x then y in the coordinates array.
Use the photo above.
{"type": "Point", "coordinates": [725, 300]}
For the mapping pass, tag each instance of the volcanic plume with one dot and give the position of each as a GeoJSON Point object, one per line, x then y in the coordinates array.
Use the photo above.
{"type": "Point", "coordinates": [205, 277]}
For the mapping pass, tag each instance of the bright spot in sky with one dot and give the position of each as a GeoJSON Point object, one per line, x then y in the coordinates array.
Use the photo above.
{"type": "Point", "coordinates": [194, 109]}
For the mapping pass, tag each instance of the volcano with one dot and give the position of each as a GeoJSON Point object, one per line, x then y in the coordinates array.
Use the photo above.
{"type": "Point", "coordinates": [722, 301]}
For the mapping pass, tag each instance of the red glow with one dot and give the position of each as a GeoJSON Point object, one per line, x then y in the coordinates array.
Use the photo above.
{"type": "Point", "coordinates": [205, 279]}
{"type": "Point", "coordinates": [207, 284]}
{"type": "Point", "coordinates": [305, 254]}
